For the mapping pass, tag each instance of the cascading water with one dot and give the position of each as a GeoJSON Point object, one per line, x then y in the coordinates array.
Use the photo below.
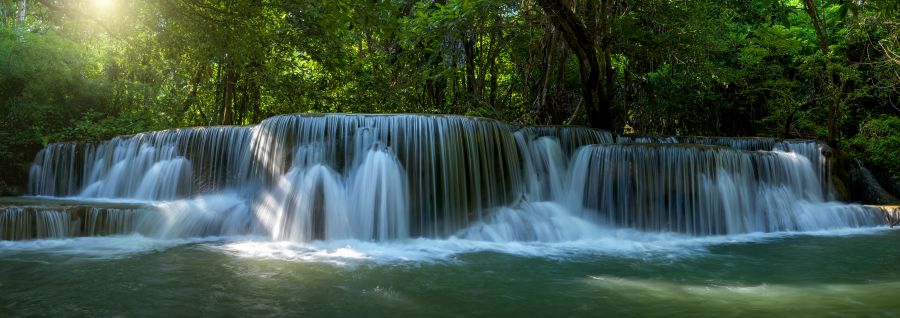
{"type": "Point", "coordinates": [26, 222]}
{"type": "Point", "coordinates": [150, 166]}
{"type": "Point", "coordinates": [384, 177]}
{"type": "Point", "coordinates": [702, 190]}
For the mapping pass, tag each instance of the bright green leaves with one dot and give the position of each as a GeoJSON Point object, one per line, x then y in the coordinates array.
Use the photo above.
{"type": "Point", "coordinates": [46, 82]}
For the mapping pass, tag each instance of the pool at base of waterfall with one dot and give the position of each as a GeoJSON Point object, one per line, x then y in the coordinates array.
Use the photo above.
{"type": "Point", "coordinates": [853, 272]}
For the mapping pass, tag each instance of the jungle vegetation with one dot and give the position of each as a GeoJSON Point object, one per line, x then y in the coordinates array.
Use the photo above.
{"type": "Point", "coordinates": [92, 69]}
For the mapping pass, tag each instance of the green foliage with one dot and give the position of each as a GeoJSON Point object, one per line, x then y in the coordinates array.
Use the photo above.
{"type": "Point", "coordinates": [47, 84]}
{"type": "Point", "coordinates": [72, 71]}
{"type": "Point", "coordinates": [93, 126]}
{"type": "Point", "coordinates": [878, 145]}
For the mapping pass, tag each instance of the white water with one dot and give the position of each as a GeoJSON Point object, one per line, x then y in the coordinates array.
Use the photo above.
{"type": "Point", "coordinates": [390, 178]}
{"type": "Point", "coordinates": [608, 242]}
{"type": "Point", "coordinates": [109, 247]}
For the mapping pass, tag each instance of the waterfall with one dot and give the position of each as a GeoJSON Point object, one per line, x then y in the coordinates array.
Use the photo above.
{"type": "Point", "coordinates": [386, 177]}
{"type": "Point", "coordinates": [153, 166]}
{"type": "Point", "coordinates": [702, 190]}
{"type": "Point", "coordinates": [34, 222]}
{"type": "Point", "coordinates": [456, 168]}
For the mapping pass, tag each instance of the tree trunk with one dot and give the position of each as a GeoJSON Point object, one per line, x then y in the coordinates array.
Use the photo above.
{"type": "Point", "coordinates": [22, 10]}
{"type": "Point", "coordinates": [832, 124]}
{"type": "Point", "coordinates": [814, 16]}
{"type": "Point", "coordinates": [548, 72]}
{"type": "Point", "coordinates": [472, 85]}
{"type": "Point", "coordinates": [195, 87]}
{"type": "Point", "coordinates": [578, 40]}
{"type": "Point", "coordinates": [607, 63]}
{"type": "Point", "coordinates": [228, 99]}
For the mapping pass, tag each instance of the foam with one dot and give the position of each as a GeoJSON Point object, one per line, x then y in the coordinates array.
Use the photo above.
{"type": "Point", "coordinates": [108, 247]}
{"type": "Point", "coordinates": [87, 200]}
{"type": "Point", "coordinates": [625, 243]}
{"type": "Point", "coordinates": [614, 242]}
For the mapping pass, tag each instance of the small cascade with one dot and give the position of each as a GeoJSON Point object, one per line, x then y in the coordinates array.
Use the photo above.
{"type": "Point", "coordinates": [570, 138]}
{"type": "Point", "coordinates": [35, 222]}
{"type": "Point", "coordinates": [539, 221]}
{"type": "Point", "coordinates": [54, 170]}
{"type": "Point", "coordinates": [742, 143]}
{"type": "Point", "coordinates": [308, 202]}
{"type": "Point", "coordinates": [378, 198]}
{"type": "Point", "coordinates": [703, 190]}
{"type": "Point", "coordinates": [746, 143]}
{"type": "Point", "coordinates": [815, 152]}
{"type": "Point", "coordinates": [209, 215]}
{"type": "Point", "coordinates": [142, 172]}
{"type": "Point", "coordinates": [456, 167]}
{"type": "Point", "coordinates": [220, 214]}
{"type": "Point", "coordinates": [158, 165]}
{"type": "Point", "coordinates": [545, 166]}
{"type": "Point", "coordinates": [389, 177]}
{"type": "Point", "coordinates": [312, 201]}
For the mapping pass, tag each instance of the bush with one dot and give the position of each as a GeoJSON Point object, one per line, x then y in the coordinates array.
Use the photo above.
{"type": "Point", "coordinates": [51, 89]}
{"type": "Point", "coordinates": [878, 146]}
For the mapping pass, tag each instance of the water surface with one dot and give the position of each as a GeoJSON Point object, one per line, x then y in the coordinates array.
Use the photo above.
{"type": "Point", "coordinates": [849, 273]}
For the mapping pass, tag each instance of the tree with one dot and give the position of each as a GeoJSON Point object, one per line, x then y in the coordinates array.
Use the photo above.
{"type": "Point", "coordinates": [813, 13]}
{"type": "Point", "coordinates": [22, 10]}
{"type": "Point", "coordinates": [596, 103]}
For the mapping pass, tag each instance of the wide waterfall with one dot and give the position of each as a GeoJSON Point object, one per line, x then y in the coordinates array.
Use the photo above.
{"type": "Point", "coordinates": [385, 177]}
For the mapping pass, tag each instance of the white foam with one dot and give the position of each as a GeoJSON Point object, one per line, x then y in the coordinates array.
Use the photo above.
{"type": "Point", "coordinates": [217, 214]}
{"type": "Point", "coordinates": [81, 199]}
{"type": "Point", "coordinates": [108, 247]}
{"type": "Point", "coordinates": [612, 242]}
{"type": "Point", "coordinates": [541, 229]}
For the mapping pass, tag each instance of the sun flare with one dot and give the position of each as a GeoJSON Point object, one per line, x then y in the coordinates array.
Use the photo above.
{"type": "Point", "coordinates": [103, 6]}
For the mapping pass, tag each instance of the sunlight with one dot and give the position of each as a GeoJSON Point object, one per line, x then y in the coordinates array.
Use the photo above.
{"type": "Point", "coordinates": [103, 6]}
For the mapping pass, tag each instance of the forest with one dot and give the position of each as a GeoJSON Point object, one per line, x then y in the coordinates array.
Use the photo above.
{"type": "Point", "coordinates": [88, 70]}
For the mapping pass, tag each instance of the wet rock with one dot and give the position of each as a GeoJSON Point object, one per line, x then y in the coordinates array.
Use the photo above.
{"type": "Point", "coordinates": [864, 187]}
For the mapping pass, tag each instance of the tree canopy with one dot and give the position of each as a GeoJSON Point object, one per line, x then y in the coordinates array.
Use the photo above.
{"type": "Point", "coordinates": [92, 69]}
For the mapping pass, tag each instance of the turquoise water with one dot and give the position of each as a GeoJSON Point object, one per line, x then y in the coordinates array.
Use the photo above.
{"type": "Point", "coordinates": [849, 273]}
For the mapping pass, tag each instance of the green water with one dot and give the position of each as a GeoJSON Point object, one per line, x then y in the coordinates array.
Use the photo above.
{"type": "Point", "coordinates": [855, 274]}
